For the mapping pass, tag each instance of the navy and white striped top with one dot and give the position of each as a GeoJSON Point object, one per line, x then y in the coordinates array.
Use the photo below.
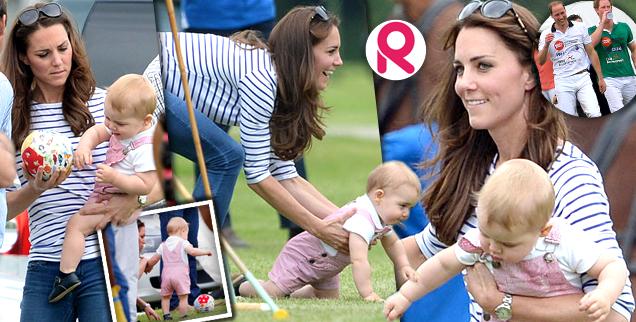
{"type": "Point", "coordinates": [232, 84]}
{"type": "Point", "coordinates": [50, 212]}
{"type": "Point", "coordinates": [152, 73]}
{"type": "Point", "coordinates": [580, 200]}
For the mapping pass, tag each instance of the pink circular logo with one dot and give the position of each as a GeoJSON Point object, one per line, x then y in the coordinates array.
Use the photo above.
{"type": "Point", "coordinates": [395, 49]}
{"type": "Point", "coordinates": [558, 45]}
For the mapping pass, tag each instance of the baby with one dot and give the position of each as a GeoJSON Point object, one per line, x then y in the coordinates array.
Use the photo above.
{"type": "Point", "coordinates": [129, 167]}
{"type": "Point", "coordinates": [308, 268]}
{"type": "Point", "coordinates": [175, 275]}
{"type": "Point", "coordinates": [528, 253]}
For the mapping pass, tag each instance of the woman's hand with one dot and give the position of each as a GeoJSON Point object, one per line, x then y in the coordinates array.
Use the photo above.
{"type": "Point", "coordinates": [151, 314]}
{"type": "Point", "coordinates": [481, 284]}
{"type": "Point", "coordinates": [40, 185]}
{"type": "Point", "coordinates": [116, 208]}
{"type": "Point", "coordinates": [333, 234]}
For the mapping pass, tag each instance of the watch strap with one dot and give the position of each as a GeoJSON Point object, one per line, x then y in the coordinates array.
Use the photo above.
{"type": "Point", "coordinates": [504, 310]}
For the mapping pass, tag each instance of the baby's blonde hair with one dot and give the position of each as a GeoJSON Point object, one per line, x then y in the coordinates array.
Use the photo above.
{"type": "Point", "coordinates": [519, 194]}
{"type": "Point", "coordinates": [392, 174]}
{"type": "Point", "coordinates": [176, 224]}
{"type": "Point", "coordinates": [132, 91]}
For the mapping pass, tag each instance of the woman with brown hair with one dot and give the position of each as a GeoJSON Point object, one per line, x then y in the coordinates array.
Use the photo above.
{"type": "Point", "coordinates": [489, 109]}
{"type": "Point", "coordinates": [46, 63]}
{"type": "Point", "coordinates": [273, 94]}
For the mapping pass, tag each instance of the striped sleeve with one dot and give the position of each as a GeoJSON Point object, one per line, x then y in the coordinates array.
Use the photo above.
{"type": "Point", "coordinates": [213, 66]}
{"type": "Point", "coordinates": [153, 75]}
{"type": "Point", "coordinates": [429, 243]}
{"type": "Point", "coordinates": [581, 201]}
{"type": "Point", "coordinates": [232, 85]}
{"type": "Point", "coordinates": [49, 213]}
{"type": "Point", "coordinates": [257, 98]}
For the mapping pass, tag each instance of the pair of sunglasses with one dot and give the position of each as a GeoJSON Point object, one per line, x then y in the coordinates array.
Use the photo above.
{"type": "Point", "coordinates": [321, 13]}
{"type": "Point", "coordinates": [31, 16]}
{"type": "Point", "coordinates": [493, 9]}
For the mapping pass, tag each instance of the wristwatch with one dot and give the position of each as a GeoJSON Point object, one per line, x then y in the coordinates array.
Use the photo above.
{"type": "Point", "coordinates": [503, 312]}
{"type": "Point", "coordinates": [142, 200]}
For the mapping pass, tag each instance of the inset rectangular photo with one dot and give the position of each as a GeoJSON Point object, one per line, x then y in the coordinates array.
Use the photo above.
{"type": "Point", "coordinates": [179, 272]}
{"type": "Point", "coordinates": [73, 147]}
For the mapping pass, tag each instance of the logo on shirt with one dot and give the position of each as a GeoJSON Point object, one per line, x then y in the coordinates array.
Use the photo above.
{"type": "Point", "coordinates": [606, 41]}
{"type": "Point", "coordinates": [558, 45]}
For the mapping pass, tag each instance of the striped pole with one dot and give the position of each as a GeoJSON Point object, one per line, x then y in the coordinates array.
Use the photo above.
{"type": "Point", "coordinates": [278, 313]}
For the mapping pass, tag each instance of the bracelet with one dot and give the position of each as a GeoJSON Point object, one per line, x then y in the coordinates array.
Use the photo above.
{"type": "Point", "coordinates": [144, 306]}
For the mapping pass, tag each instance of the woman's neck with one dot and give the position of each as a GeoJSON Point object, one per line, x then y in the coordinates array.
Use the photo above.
{"type": "Point", "coordinates": [511, 138]}
{"type": "Point", "coordinates": [510, 146]}
{"type": "Point", "coordinates": [47, 94]}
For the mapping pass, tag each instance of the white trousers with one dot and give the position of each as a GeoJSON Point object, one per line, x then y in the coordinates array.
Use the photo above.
{"type": "Point", "coordinates": [620, 91]}
{"type": "Point", "coordinates": [550, 95]}
{"type": "Point", "coordinates": [127, 257]}
{"type": "Point", "coordinates": [576, 87]}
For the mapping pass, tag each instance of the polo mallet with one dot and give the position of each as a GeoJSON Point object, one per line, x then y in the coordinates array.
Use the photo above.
{"type": "Point", "coordinates": [277, 312]}
{"type": "Point", "coordinates": [251, 306]}
{"type": "Point", "coordinates": [188, 100]}
{"type": "Point", "coordinates": [182, 190]}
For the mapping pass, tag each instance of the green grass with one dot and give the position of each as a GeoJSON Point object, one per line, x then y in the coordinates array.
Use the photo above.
{"type": "Point", "coordinates": [219, 308]}
{"type": "Point", "coordinates": [337, 166]}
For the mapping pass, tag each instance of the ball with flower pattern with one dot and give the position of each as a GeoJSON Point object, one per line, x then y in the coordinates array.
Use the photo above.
{"type": "Point", "coordinates": [48, 149]}
{"type": "Point", "coordinates": [204, 303]}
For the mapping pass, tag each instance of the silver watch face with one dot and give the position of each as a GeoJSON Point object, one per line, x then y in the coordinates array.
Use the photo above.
{"type": "Point", "coordinates": [503, 312]}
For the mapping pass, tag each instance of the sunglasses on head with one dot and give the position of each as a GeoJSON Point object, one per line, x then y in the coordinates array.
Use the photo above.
{"type": "Point", "coordinates": [493, 9]}
{"type": "Point", "coordinates": [321, 13]}
{"type": "Point", "coordinates": [31, 16]}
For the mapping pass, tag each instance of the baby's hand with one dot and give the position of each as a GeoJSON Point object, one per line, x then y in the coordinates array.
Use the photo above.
{"type": "Point", "coordinates": [105, 174]}
{"type": "Point", "coordinates": [395, 305]}
{"type": "Point", "coordinates": [81, 157]}
{"type": "Point", "coordinates": [373, 297]}
{"type": "Point", "coordinates": [596, 304]}
{"type": "Point", "coordinates": [409, 273]}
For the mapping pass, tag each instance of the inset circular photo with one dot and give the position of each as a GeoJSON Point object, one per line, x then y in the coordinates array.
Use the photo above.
{"type": "Point", "coordinates": [586, 58]}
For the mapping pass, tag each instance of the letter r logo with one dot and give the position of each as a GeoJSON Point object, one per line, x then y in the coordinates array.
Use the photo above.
{"type": "Point", "coordinates": [395, 50]}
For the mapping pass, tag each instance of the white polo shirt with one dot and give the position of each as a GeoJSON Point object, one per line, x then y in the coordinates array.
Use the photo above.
{"type": "Point", "coordinates": [567, 50]}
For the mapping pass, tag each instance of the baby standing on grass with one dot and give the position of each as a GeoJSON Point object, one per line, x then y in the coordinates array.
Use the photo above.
{"type": "Point", "coordinates": [129, 167]}
{"type": "Point", "coordinates": [309, 268]}
{"type": "Point", "coordinates": [175, 276]}
{"type": "Point", "coordinates": [528, 253]}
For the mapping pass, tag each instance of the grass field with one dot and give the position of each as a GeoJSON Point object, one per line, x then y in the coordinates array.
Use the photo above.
{"type": "Point", "coordinates": [338, 166]}
{"type": "Point", "coordinates": [219, 308]}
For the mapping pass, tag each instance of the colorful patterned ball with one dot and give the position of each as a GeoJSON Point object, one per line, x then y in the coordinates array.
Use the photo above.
{"type": "Point", "coordinates": [204, 303]}
{"type": "Point", "coordinates": [48, 149]}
